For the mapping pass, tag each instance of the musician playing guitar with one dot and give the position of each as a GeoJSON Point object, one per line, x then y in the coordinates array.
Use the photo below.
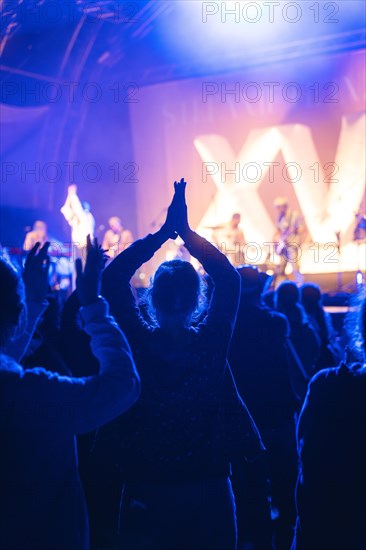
{"type": "Point", "coordinates": [289, 235]}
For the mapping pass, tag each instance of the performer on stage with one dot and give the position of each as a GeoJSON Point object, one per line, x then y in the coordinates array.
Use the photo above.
{"type": "Point", "coordinates": [38, 234]}
{"type": "Point", "coordinates": [116, 238]}
{"type": "Point", "coordinates": [289, 235]}
{"type": "Point", "coordinates": [230, 240]}
{"type": "Point", "coordinates": [80, 219]}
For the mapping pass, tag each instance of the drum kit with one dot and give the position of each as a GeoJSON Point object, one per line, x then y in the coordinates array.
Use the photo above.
{"type": "Point", "coordinates": [265, 264]}
{"type": "Point", "coordinates": [62, 265]}
{"type": "Point", "coordinates": [269, 264]}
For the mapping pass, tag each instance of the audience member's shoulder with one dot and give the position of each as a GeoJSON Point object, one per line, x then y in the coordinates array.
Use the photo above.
{"type": "Point", "coordinates": [339, 376]}
{"type": "Point", "coordinates": [9, 367]}
{"type": "Point", "coordinates": [40, 373]}
{"type": "Point", "coordinates": [358, 370]}
{"type": "Point", "coordinates": [279, 321]}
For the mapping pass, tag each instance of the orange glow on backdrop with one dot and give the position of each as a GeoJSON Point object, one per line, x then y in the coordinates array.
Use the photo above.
{"type": "Point", "coordinates": [295, 129]}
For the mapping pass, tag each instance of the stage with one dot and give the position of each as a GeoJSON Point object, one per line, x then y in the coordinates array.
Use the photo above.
{"type": "Point", "coordinates": [269, 114]}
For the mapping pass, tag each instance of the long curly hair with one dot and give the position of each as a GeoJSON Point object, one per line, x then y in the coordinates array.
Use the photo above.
{"type": "Point", "coordinates": [176, 285]}
{"type": "Point", "coordinates": [355, 325]}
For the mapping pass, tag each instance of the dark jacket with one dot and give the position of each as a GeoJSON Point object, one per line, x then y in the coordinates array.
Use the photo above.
{"type": "Point", "coordinates": [181, 428]}
{"type": "Point", "coordinates": [331, 435]}
{"type": "Point", "coordinates": [42, 504]}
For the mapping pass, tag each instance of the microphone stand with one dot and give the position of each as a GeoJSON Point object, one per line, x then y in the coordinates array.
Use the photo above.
{"type": "Point", "coordinates": [339, 274]}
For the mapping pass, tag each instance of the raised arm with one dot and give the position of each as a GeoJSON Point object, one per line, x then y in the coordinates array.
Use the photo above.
{"type": "Point", "coordinates": [116, 286]}
{"type": "Point", "coordinates": [80, 405]}
{"type": "Point", "coordinates": [74, 341]}
{"type": "Point", "coordinates": [224, 302]}
{"type": "Point", "coordinates": [72, 208]}
{"type": "Point", "coordinates": [35, 277]}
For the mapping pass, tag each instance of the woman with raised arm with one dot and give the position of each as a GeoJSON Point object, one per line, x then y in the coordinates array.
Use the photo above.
{"type": "Point", "coordinates": [175, 445]}
{"type": "Point", "coordinates": [42, 504]}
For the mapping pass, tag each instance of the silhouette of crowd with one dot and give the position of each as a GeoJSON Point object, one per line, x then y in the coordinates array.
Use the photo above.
{"type": "Point", "coordinates": [209, 413]}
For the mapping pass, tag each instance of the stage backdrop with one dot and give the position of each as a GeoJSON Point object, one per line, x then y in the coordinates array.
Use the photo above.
{"type": "Point", "coordinates": [295, 129]}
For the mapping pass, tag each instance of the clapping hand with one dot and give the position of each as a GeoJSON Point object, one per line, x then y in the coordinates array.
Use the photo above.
{"type": "Point", "coordinates": [181, 218]}
{"type": "Point", "coordinates": [169, 225]}
{"type": "Point", "coordinates": [35, 275]}
{"type": "Point", "coordinates": [176, 221]}
{"type": "Point", "coordinates": [88, 281]}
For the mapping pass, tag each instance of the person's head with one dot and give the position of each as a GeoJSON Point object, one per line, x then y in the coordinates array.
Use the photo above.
{"type": "Point", "coordinates": [174, 294]}
{"type": "Point", "coordinates": [287, 298]}
{"type": "Point", "coordinates": [253, 283]}
{"type": "Point", "coordinates": [235, 220]}
{"type": "Point", "coordinates": [115, 224]}
{"type": "Point", "coordinates": [40, 228]}
{"type": "Point", "coordinates": [281, 205]}
{"type": "Point", "coordinates": [12, 301]}
{"type": "Point", "coordinates": [311, 297]}
{"type": "Point", "coordinates": [287, 295]}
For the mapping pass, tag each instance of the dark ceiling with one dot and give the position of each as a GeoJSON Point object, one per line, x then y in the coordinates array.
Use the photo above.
{"type": "Point", "coordinates": [53, 41]}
